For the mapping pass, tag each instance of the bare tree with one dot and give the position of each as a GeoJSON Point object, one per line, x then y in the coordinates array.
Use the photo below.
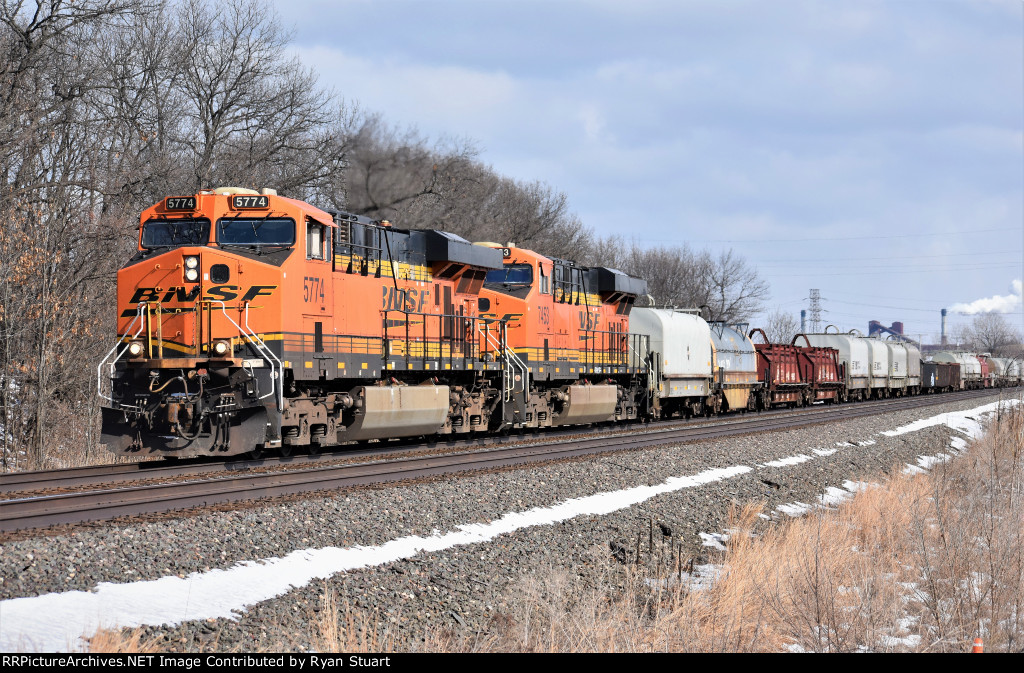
{"type": "Point", "coordinates": [737, 291]}
{"type": "Point", "coordinates": [991, 332]}
{"type": "Point", "coordinates": [780, 326]}
{"type": "Point", "coordinates": [105, 107]}
{"type": "Point", "coordinates": [246, 103]}
{"type": "Point", "coordinates": [398, 176]}
{"type": "Point", "coordinates": [679, 276]}
{"type": "Point", "coordinates": [961, 336]}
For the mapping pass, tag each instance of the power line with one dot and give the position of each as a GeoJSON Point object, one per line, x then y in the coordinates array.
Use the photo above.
{"type": "Point", "coordinates": [830, 260]}
{"type": "Point", "coordinates": [891, 271]}
{"type": "Point", "coordinates": [842, 238]}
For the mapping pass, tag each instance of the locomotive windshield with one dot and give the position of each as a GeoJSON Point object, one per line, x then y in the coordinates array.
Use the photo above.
{"type": "Point", "coordinates": [511, 274]}
{"type": "Point", "coordinates": [251, 231]}
{"type": "Point", "coordinates": [167, 233]}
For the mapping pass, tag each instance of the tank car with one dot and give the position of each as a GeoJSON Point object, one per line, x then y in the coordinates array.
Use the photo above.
{"type": "Point", "coordinates": [878, 367]}
{"type": "Point", "coordinates": [899, 367]}
{"type": "Point", "coordinates": [680, 357]}
{"type": "Point", "coordinates": [1015, 371]}
{"type": "Point", "coordinates": [735, 368]}
{"type": "Point", "coordinates": [913, 368]}
{"type": "Point", "coordinates": [854, 355]}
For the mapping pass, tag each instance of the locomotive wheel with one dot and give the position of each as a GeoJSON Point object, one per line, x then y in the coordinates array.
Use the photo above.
{"type": "Point", "coordinates": [256, 453]}
{"type": "Point", "coordinates": [286, 449]}
{"type": "Point", "coordinates": [314, 449]}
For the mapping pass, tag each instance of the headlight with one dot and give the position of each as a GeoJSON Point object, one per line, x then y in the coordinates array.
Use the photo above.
{"type": "Point", "coordinates": [191, 262]}
{"type": "Point", "coordinates": [221, 347]}
{"type": "Point", "coordinates": [136, 348]}
{"type": "Point", "coordinates": [191, 275]}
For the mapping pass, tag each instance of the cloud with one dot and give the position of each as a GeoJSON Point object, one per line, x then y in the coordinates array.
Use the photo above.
{"type": "Point", "coordinates": [998, 304]}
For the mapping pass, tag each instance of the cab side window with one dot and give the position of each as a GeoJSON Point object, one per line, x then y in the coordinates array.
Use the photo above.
{"type": "Point", "coordinates": [545, 281]}
{"type": "Point", "coordinates": [314, 240]}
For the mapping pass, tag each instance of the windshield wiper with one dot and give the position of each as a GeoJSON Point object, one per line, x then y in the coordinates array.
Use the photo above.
{"type": "Point", "coordinates": [258, 248]}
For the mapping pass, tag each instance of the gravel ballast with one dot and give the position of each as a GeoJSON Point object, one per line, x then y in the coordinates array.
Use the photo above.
{"type": "Point", "coordinates": [465, 587]}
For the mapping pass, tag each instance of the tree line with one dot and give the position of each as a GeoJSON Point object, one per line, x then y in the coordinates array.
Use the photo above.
{"type": "Point", "coordinates": [107, 106]}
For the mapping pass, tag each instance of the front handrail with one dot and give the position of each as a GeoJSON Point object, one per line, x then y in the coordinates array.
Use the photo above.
{"type": "Point", "coordinates": [261, 348]}
{"type": "Point", "coordinates": [511, 359]}
{"type": "Point", "coordinates": [143, 309]}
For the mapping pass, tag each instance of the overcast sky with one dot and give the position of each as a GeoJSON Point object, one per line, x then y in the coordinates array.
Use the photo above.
{"type": "Point", "coordinates": [873, 150]}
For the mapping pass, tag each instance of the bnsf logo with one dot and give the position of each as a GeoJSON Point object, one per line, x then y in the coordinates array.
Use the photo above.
{"type": "Point", "coordinates": [217, 292]}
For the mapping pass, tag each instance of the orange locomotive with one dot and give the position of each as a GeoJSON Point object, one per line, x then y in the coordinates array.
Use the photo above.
{"type": "Point", "coordinates": [568, 327]}
{"type": "Point", "coordinates": [250, 320]}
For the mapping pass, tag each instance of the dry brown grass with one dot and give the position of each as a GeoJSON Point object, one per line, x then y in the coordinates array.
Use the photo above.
{"type": "Point", "coordinates": [346, 629]}
{"type": "Point", "coordinates": [110, 641]}
{"type": "Point", "coordinates": [924, 563]}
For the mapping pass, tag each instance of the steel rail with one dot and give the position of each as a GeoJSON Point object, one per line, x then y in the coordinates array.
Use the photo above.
{"type": "Point", "coordinates": [39, 480]}
{"type": "Point", "coordinates": [70, 508]}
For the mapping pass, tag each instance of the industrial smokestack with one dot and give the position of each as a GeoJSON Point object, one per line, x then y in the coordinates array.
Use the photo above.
{"type": "Point", "coordinates": [803, 321]}
{"type": "Point", "coordinates": [944, 341]}
{"type": "Point", "coordinates": [897, 327]}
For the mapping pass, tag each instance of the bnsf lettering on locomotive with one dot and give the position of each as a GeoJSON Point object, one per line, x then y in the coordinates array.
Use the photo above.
{"type": "Point", "coordinates": [589, 320]}
{"type": "Point", "coordinates": [222, 292]}
{"type": "Point", "coordinates": [144, 294]}
{"type": "Point", "coordinates": [257, 291]}
{"type": "Point", "coordinates": [185, 295]}
{"type": "Point", "coordinates": [410, 299]}
{"type": "Point", "coordinates": [182, 294]}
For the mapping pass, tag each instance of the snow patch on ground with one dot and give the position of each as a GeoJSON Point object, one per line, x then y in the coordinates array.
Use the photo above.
{"type": "Point", "coordinates": [702, 577]}
{"type": "Point", "coordinates": [834, 496]}
{"type": "Point", "coordinates": [54, 622]}
{"type": "Point", "coordinates": [795, 509]}
{"type": "Point", "coordinates": [714, 540]}
{"type": "Point", "coordinates": [791, 460]}
{"type": "Point", "coordinates": [966, 422]}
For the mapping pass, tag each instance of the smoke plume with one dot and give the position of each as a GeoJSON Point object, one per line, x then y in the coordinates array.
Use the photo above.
{"type": "Point", "coordinates": [997, 304]}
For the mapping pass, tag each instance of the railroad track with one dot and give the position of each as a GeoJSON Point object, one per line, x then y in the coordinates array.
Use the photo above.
{"type": "Point", "coordinates": [236, 482]}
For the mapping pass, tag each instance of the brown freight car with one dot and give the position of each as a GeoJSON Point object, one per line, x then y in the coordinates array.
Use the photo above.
{"type": "Point", "coordinates": [940, 377]}
{"type": "Point", "coordinates": [821, 368]}
{"type": "Point", "coordinates": [778, 369]}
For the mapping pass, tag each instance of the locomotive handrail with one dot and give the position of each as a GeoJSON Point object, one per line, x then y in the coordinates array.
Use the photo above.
{"type": "Point", "coordinates": [636, 338]}
{"type": "Point", "coordinates": [511, 358]}
{"type": "Point", "coordinates": [261, 348]}
{"type": "Point", "coordinates": [99, 368]}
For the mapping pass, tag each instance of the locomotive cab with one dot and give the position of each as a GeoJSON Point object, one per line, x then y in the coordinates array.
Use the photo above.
{"type": "Point", "coordinates": [567, 328]}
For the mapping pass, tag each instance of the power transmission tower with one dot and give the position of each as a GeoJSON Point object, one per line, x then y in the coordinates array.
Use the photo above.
{"type": "Point", "coordinates": [815, 311]}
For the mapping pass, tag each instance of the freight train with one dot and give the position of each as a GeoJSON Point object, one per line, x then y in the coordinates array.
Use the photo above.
{"type": "Point", "coordinates": [249, 321]}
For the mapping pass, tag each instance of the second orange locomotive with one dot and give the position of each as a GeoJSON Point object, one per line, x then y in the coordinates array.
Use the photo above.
{"type": "Point", "coordinates": [250, 320]}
